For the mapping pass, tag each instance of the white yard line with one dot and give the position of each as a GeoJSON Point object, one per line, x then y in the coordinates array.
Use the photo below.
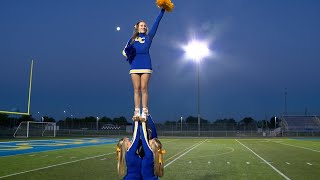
{"type": "Point", "coordinates": [170, 141]}
{"type": "Point", "coordinates": [184, 153]}
{"type": "Point", "coordinates": [300, 147]}
{"type": "Point", "coordinates": [47, 167]}
{"type": "Point", "coordinates": [279, 172]}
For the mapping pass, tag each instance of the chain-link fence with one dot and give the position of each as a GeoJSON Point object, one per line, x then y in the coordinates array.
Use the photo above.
{"type": "Point", "coordinates": [173, 130]}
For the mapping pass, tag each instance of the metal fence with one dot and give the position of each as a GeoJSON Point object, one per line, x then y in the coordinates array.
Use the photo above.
{"type": "Point", "coordinates": [187, 130]}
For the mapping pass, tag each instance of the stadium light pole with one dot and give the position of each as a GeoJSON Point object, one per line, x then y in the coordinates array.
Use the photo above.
{"type": "Point", "coordinates": [65, 118]}
{"type": "Point", "coordinates": [181, 124]}
{"type": "Point", "coordinates": [71, 121]}
{"type": "Point", "coordinates": [197, 51]}
{"type": "Point", "coordinates": [97, 123]}
{"type": "Point", "coordinates": [285, 101]}
{"type": "Point", "coordinates": [39, 114]}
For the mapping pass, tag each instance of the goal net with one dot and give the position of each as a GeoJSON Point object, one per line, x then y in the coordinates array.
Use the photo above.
{"type": "Point", "coordinates": [28, 129]}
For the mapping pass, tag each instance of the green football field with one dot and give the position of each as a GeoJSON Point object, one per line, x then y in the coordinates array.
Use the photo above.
{"type": "Point", "coordinates": [185, 159]}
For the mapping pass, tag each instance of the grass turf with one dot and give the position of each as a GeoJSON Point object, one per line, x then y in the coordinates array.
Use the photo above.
{"type": "Point", "coordinates": [185, 159]}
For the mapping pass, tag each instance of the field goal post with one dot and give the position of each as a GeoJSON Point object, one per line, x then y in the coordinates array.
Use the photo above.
{"type": "Point", "coordinates": [28, 129]}
{"type": "Point", "coordinates": [29, 97]}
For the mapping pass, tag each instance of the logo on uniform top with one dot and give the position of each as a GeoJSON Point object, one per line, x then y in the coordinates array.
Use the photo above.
{"type": "Point", "coordinates": [140, 39]}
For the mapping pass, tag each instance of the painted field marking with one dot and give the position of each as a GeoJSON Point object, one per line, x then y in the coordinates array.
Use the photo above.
{"type": "Point", "coordinates": [60, 139]}
{"type": "Point", "coordinates": [181, 151]}
{"type": "Point", "coordinates": [300, 147]}
{"type": "Point", "coordinates": [47, 167]}
{"type": "Point", "coordinates": [265, 141]}
{"type": "Point", "coordinates": [57, 141]}
{"type": "Point", "coordinates": [184, 153]}
{"type": "Point", "coordinates": [279, 172]}
{"type": "Point", "coordinates": [264, 162]}
{"type": "Point", "coordinates": [170, 141]}
{"type": "Point", "coordinates": [214, 155]}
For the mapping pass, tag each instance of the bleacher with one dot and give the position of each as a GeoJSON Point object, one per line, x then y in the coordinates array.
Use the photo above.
{"type": "Point", "coordinates": [301, 123]}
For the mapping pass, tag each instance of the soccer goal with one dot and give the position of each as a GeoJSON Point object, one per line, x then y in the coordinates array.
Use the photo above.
{"type": "Point", "coordinates": [28, 129]}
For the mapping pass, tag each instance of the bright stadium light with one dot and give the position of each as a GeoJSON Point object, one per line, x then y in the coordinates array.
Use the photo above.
{"type": "Point", "coordinates": [197, 50]}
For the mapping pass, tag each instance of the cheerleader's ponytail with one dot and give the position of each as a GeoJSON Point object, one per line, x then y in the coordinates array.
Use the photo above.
{"type": "Point", "coordinates": [121, 158]}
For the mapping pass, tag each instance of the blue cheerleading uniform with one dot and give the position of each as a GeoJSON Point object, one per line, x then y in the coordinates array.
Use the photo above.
{"type": "Point", "coordinates": [147, 164]}
{"type": "Point", "coordinates": [153, 127]}
{"type": "Point", "coordinates": [141, 63]}
{"type": "Point", "coordinates": [133, 161]}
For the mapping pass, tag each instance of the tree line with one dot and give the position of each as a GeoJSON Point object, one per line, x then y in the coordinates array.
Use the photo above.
{"type": "Point", "coordinates": [230, 123]}
{"type": "Point", "coordinates": [227, 123]}
{"type": "Point", "coordinates": [13, 121]}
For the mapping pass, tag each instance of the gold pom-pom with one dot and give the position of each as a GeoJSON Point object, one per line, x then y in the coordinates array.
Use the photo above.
{"type": "Point", "coordinates": [165, 4]}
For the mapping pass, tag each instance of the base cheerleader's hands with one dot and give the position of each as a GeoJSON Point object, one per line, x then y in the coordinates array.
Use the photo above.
{"type": "Point", "coordinates": [165, 4]}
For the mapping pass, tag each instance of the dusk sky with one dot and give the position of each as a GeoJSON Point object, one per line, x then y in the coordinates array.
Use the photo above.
{"type": "Point", "coordinates": [259, 48]}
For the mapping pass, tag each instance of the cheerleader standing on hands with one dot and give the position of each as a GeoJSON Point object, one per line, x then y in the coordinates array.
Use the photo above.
{"type": "Point", "coordinates": [141, 67]}
{"type": "Point", "coordinates": [137, 53]}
